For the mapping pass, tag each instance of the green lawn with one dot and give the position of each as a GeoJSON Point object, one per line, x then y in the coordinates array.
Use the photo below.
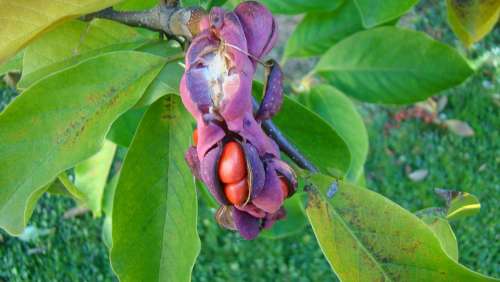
{"type": "Point", "coordinates": [73, 250]}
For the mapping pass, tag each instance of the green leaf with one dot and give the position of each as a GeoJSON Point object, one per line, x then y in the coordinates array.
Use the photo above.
{"type": "Point", "coordinates": [291, 7]}
{"type": "Point", "coordinates": [69, 187]}
{"type": "Point", "coordinates": [366, 237]}
{"type": "Point", "coordinates": [317, 32]}
{"type": "Point", "coordinates": [168, 80]}
{"type": "Point", "coordinates": [463, 205]}
{"type": "Point", "coordinates": [458, 204]}
{"type": "Point", "coordinates": [209, 4]}
{"type": "Point", "coordinates": [123, 129]}
{"type": "Point", "coordinates": [136, 5]}
{"type": "Point", "coordinates": [294, 222]}
{"type": "Point", "coordinates": [473, 19]}
{"type": "Point", "coordinates": [155, 206]}
{"type": "Point", "coordinates": [339, 111]}
{"type": "Point", "coordinates": [206, 4]}
{"type": "Point", "coordinates": [442, 229]}
{"type": "Point", "coordinates": [13, 64]}
{"type": "Point", "coordinates": [378, 12]}
{"type": "Point", "coordinates": [392, 66]}
{"type": "Point", "coordinates": [23, 20]}
{"type": "Point", "coordinates": [302, 127]}
{"type": "Point", "coordinates": [205, 195]}
{"type": "Point", "coordinates": [72, 42]}
{"type": "Point", "coordinates": [189, 3]}
{"type": "Point", "coordinates": [91, 176]}
{"type": "Point", "coordinates": [107, 232]}
{"type": "Point", "coordinates": [107, 208]}
{"type": "Point", "coordinates": [31, 202]}
{"type": "Point", "coordinates": [58, 188]}
{"type": "Point", "coordinates": [61, 121]}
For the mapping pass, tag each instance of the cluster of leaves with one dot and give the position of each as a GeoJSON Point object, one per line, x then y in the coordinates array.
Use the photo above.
{"type": "Point", "coordinates": [90, 87]}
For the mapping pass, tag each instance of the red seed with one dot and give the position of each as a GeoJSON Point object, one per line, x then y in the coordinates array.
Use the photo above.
{"type": "Point", "coordinates": [237, 193]}
{"type": "Point", "coordinates": [284, 187]}
{"type": "Point", "coordinates": [195, 136]}
{"type": "Point", "coordinates": [232, 166]}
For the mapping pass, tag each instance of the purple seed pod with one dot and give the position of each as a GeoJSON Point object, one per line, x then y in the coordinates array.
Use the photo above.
{"type": "Point", "coordinates": [247, 225]}
{"type": "Point", "coordinates": [287, 173]}
{"type": "Point", "coordinates": [208, 173]}
{"type": "Point", "coordinates": [217, 82]}
{"type": "Point", "coordinates": [271, 197]}
{"type": "Point", "coordinates": [265, 197]}
{"type": "Point", "coordinates": [273, 92]}
{"type": "Point", "coordinates": [193, 162]}
{"type": "Point", "coordinates": [260, 27]}
{"type": "Point", "coordinates": [255, 172]}
{"type": "Point", "coordinates": [216, 89]}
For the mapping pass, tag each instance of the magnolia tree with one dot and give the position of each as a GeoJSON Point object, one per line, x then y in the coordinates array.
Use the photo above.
{"type": "Point", "coordinates": [176, 85]}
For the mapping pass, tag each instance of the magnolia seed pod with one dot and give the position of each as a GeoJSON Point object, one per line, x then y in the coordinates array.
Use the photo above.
{"type": "Point", "coordinates": [273, 92]}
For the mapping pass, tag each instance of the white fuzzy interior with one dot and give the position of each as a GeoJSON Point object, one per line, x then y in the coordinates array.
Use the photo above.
{"type": "Point", "coordinates": [216, 73]}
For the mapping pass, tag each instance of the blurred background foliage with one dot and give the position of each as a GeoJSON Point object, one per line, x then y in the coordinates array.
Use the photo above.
{"type": "Point", "coordinates": [56, 247]}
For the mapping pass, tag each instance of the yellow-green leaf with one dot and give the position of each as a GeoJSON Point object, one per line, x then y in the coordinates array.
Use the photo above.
{"type": "Point", "coordinates": [62, 120]}
{"type": "Point", "coordinates": [91, 176]}
{"type": "Point", "coordinates": [442, 229]}
{"type": "Point", "coordinates": [463, 205]}
{"type": "Point", "coordinates": [471, 20]}
{"type": "Point", "coordinates": [73, 42]}
{"type": "Point", "coordinates": [14, 63]}
{"type": "Point", "coordinates": [23, 20]}
{"type": "Point", "coordinates": [366, 237]}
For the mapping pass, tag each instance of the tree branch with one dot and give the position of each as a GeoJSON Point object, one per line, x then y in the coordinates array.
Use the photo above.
{"type": "Point", "coordinates": [166, 17]}
{"type": "Point", "coordinates": [286, 146]}
{"type": "Point", "coordinates": [175, 21]}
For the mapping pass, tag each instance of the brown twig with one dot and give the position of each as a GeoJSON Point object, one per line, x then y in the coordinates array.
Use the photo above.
{"type": "Point", "coordinates": [171, 20]}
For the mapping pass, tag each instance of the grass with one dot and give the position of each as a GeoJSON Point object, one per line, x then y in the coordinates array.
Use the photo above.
{"type": "Point", "coordinates": [73, 249]}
